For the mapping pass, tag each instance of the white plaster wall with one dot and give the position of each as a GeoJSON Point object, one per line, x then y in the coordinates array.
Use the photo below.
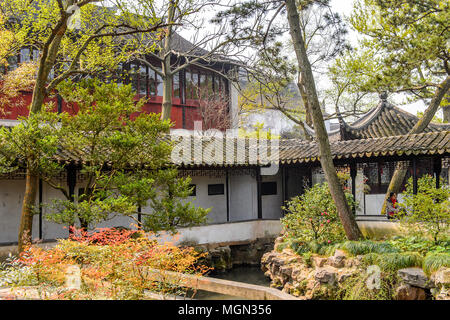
{"type": "Point", "coordinates": [11, 197]}
{"type": "Point", "coordinates": [217, 203]}
{"type": "Point", "coordinates": [243, 205]}
{"type": "Point", "coordinates": [374, 203]}
{"type": "Point", "coordinates": [51, 230]}
{"type": "Point", "coordinates": [271, 204]}
{"type": "Point", "coordinates": [243, 200]}
{"type": "Point", "coordinates": [226, 232]}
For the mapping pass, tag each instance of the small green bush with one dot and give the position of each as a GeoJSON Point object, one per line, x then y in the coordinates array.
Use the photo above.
{"type": "Point", "coordinates": [391, 262]}
{"type": "Point", "coordinates": [426, 213]}
{"type": "Point", "coordinates": [364, 247]}
{"type": "Point", "coordinates": [434, 261]}
{"type": "Point", "coordinates": [313, 217]}
{"type": "Point", "coordinates": [355, 288]}
{"type": "Point", "coordinates": [419, 244]}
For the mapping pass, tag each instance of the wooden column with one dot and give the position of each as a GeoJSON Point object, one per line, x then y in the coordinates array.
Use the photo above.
{"type": "Point", "coordinates": [437, 168]}
{"type": "Point", "coordinates": [71, 183]}
{"type": "Point", "coordinates": [40, 208]}
{"type": "Point", "coordinates": [139, 215]}
{"type": "Point", "coordinates": [353, 173]}
{"type": "Point", "coordinates": [227, 178]}
{"type": "Point", "coordinates": [414, 165]}
{"type": "Point", "coordinates": [258, 192]}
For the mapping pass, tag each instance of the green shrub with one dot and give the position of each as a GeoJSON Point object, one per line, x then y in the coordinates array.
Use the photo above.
{"type": "Point", "coordinates": [312, 217]}
{"type": "Point", "coordinates": [434, 261]}
{"type": "Point", "coordinates": [355, 288]}
{"type": "Point", "coordinates": [419, 244]}
{"type": "Point", "coordinates": [426, 213]}
{"type": "Point", "coordinates": [391, 262]}
{"type": "Point", "coordinates": [364, 247]}
{"type": "Point", "coordinates": [12, 273]}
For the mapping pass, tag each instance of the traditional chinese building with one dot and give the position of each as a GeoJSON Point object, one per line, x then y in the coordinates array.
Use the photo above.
{"type": "Point", "coordinates": [245, 181]}
{"type": "Point", "coordinates": [387, 120]}
{"type": "Point", "coordinates": [206, 75]}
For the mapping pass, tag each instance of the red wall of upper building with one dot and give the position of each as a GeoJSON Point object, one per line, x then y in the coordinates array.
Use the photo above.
{"type": "Point", "coordinates": [19, 108]}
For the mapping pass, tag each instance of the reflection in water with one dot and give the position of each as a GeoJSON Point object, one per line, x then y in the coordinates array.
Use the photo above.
{"type": "Point", "coordinates": [247, 274]}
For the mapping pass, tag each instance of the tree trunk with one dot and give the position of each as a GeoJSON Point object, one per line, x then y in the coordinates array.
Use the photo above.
{"type": "Point", "coordinates": [26, 220]}
{"type": "Point", "coordinates": [399, 174]}
{"type": "Point", "coordinates": [306, 85]}
{"type": "Point", "coordinates": [166, 69]}
{"type": "Point", "coordinates": [39, 94]}
{"type": "Point", "coordinates": [46, 64]}
{"type": "Point", "coordinates": [167, 96]}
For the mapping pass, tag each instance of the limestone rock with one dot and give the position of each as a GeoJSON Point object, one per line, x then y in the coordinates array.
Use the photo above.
{"type": "Point", "coordinates": [407, 292]}
{"type": "Point", "coordinates": [444, 294]}
{"type": "Point", "coordinates": [318, 261]}
{"type": "Point", "coordinates": [288, 288]}
{"type": "Point", "coordinates": [337, 262]}
{"type": "Point", "coordinates": [415, 277]}
{"type": "Point", "coordinates": [339, 253]}
{"type": "Point", "coordinates": [441, 277]}
{"type": "Point", "coordinates": [278, 242]}
{"type": "Point", "coordinates": [342, 276]}
{"type": "Point", "coordinates": [298, 273]}
{"type": "Point", "coordinates": [221, 258]}
{"type": "Point", "coordinates": [338, 259]}
{"type": "Point", "coordinates": [325, 275]}
{"type": "Point", "coordinates": [286, 270]}
{"type": "Point", "coordinates": [267, 257]}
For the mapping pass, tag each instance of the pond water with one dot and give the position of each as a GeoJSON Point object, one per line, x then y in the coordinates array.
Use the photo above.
{"type": "Point", "coordinates": [246, 274]}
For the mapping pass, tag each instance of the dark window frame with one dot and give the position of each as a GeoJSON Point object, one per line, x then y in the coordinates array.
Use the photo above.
{"type": "Point", "coordinates": [269, 188]}
{"type": "Point", "coordinates": [219, 191]}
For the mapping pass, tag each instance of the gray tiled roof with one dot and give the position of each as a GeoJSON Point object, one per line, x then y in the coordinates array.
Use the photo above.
{"type": "Point", "coordinates": [382, 121]}
{"type": "Point", "coordinates": [242, 152]}
{"type": "Point", "coordinates": [301, 151]}
{"type": "Point", "coordinates": [429, 143]}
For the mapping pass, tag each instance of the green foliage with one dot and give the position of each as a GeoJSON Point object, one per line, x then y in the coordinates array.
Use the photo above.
{"type": "Point", "coordinates": [32, 23]}
{"type": "Point", "coordinates": [355, 288]}
{"type": "Point", "coordinates": [427, 213]}
{"type": "Point", "coordinates": [391, 262]}
{"type": "Point", "coordinates": [33, 143]}
{"type": "Point", "coordinates": [421, 245]}
{"type": "Point", "coordinates": [406, 45]}
{"type": "Point", "coordinates": [364, 247]}
{"type": "Point", "coordinates": [127, 161]}
{"type": "Point", "coordinates": [302, 248]}
{"type": "Point", "coordinates": [13, 273]}
{"type": "Point", "coordinates": [312, 218]}
{"type": "Point", "coordinates": [434, 261]}
{"type": "Point", "coordinates": [347, 73]}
